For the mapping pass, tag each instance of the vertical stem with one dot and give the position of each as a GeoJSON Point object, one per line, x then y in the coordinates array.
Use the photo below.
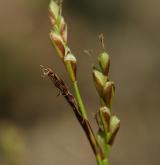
{"type": "Point", "coordinates": [79, 100]}
{"type": "Point", "coordinates": [84, 114]}
{"type": "Point", "coordinates": [75, 85]}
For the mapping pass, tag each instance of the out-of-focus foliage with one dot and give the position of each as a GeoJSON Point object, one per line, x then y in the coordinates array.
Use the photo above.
{"type": "Point", "coordinates": [12, 144]}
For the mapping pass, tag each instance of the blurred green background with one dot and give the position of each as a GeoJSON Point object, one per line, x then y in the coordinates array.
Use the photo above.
{"type": "Point", "coordinates": [40, 127]}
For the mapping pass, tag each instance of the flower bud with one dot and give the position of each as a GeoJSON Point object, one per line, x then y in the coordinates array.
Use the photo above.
{"type": "Point", "coordinates": [99, 81]}
{"type": "Point", "coordinates": [105, 116]}
{"type": "Point", "coordinates": [71, 64]}
{"type": "Point", "coordinates": [108, 93]}
{"type": "Point", "coordinates": [114, 127]}
{"type": "Point", "coordinates": [54, 11]}
{"type": "Point", "coordinates": [104, 62]}
{"type": "Point", "coordinates": [58, 43]}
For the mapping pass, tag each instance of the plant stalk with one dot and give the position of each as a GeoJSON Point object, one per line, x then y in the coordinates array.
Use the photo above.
{"type": "Point", "coordinates": [79, 99]}
{"type": "Point", "coordinates": [76, 89]}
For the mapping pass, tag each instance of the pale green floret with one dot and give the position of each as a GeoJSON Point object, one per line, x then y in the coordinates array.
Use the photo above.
{"type": "Point", "coordinates": [100, 77]}
{"type": "Point", "coordinates": [104, 61]}
{"type": "Point", "coordinates": [114, 124]}
{"type": "Point", "coordinates": [99, 80]}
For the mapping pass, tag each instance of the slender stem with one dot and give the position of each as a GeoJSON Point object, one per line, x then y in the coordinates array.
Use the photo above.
{"type": "Point", "coordinates": [77, 92]}
{"type": "Point", "coordinates": [79, 100]}
{"type": "Point", "coordinates": [91, 135]}
{"type": "Point", "coordinates": [83, 111]}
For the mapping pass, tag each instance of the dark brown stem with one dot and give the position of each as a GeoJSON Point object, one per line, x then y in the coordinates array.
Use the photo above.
{"type": "Point", "coordinates": [59, 83]}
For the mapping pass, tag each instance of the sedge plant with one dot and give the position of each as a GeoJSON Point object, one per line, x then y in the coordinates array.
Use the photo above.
{"type": "Point", "coordinates": [108, 124]}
